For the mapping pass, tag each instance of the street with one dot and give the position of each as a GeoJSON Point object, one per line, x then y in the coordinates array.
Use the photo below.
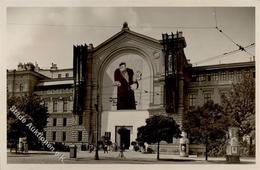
{"type": "Point", "coordinates": [84, 157]}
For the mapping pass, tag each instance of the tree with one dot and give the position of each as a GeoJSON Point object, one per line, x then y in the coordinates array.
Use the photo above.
{"type": "Point", "coordinates": [33, 109]}
{"type": "Point", "coordinates": [207, 125]}
{"type": "Point", "coordinates": [239, 104]}
{"type": "Point", "coordinates": [158, 128]}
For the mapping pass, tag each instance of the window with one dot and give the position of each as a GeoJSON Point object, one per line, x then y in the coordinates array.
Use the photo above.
{"type": "Point", "coordinates": [80, 120]}
{"type": "Point", "coordinates": [239, 75]}
{"type": "Point", "coordinates": [55, 106]}
{"type": "Point", "coordinates": [231, 75]}
{"type": "Point", "coordinates": [108, 135]}
{"type": "Point", "coordinates": [64, 136]}
{"type": "Point", "coordinates": [79, 135]}
{"type": "Point", "coordinates": [65, 106]}
{"type": "Point", "coordinates": [170, 69]}
{"type": "Point", "coordinates": [207, 97]}
{"type": "Point", "coordinates": [215, 77]}
{"type": "Point", "coordinates": [46, 104]}
{"type": "Point", "coordinates": [192, 99]}
{"type": "Point", "coordinates": [54, 121]}
{"type": "Point", "coordinates": [208, 77]}
{"type": "Point", "coordinates": [53, 136]}
{"type": "Point", "coordinates": [64, 121]}
{"type": "Point", "coordinates": [223, 76]}
{"type": "Point", "coordinates": [59, 75]}
{"type": "Point", "coordinates": [194, 78]}
{"type": "Point", "coordinates": [21, 88]}
{"type": "Point", "coordinates": [67, 75]}
{"type": "Point", "coordinates": [202, 77]}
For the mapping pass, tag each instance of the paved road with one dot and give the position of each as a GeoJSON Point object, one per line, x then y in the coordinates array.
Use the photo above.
{"type": "Point", "coordinates": [84, 157]}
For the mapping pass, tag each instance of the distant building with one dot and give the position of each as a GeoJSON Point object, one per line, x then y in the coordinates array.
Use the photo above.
{"type": "Point", "coordinates": [167, 84]}
{"type": "Point", "coordinates": [55, 86]}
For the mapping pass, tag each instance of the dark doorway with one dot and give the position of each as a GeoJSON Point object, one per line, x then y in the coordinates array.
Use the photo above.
{"type": "Point", "coordinates": [126, 138]}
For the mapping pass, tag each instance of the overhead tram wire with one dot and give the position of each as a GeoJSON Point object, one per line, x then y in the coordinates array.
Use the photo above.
{"type": "Point", "coordinates": [65, 25]}
{"type": "Point", "coordinates": [240, 47]}
{"type": "Point", "coordinates": [224, 54]}
{"type": "Point", "coordinates": [111, 26]}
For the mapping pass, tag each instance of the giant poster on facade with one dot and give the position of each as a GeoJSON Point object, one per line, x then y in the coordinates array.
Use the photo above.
{"type": "Point", "coordinates": [126, 84]}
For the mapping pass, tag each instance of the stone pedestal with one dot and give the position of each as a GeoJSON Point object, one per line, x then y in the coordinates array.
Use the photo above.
{"type": "Point", "coordinates": [184, 145]}
{"type": "Point", "coordinates": [232, 158]}
{"type": "Point", "coordinates": [232, 150]}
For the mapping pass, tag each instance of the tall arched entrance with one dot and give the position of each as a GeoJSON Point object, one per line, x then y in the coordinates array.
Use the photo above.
{"type": "Point", "coordinates": [126, 83]}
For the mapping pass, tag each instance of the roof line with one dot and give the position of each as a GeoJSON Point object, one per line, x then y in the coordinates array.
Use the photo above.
{"type": "Point", "coordinates": [27, 71]}
{"type": "Point", "coordinates": [125, 31]}
{"type": "Point", "coordinates": [226, 65]}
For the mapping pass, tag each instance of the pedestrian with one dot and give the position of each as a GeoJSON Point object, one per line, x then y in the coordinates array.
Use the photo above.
{"type": "Point", "coordinates": [91, 148]}
{"type": "Point", "coordinates": [105, 148]}
{"type": "Point", "coordinates": [22, 150]}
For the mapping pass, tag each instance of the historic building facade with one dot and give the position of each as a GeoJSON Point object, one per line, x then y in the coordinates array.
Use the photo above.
{"type": "Point", "coordinates": [155, 73]}
{"type": "Point", "coordinates": [55, 87]}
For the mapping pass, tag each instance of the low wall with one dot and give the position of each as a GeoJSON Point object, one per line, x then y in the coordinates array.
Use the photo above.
{"type": "Point", "coordinates": [174, 149]}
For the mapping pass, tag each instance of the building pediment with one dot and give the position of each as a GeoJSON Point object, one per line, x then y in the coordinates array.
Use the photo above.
{"type": "Point", "coordinates": [127, 38]}
{"type": "Point", "coordinates": [125, 32]}
{"type": "Point", "coordinates": [130, 42]}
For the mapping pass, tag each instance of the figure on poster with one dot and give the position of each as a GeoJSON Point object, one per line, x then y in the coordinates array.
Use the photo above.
{"type": "Point", "coordinates": [126, 84]}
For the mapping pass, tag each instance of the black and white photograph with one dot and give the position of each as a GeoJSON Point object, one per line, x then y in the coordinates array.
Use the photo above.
{"type": "Point", "coordinates": [126, 85]}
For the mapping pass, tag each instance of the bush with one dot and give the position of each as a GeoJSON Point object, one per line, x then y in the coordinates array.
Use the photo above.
{"type": "Point", "coordinates": [133, 143]}
{"type": "Point", "coordinates": [149, 150]}
{"type": "Point", "coordinates": [109, 143]}
{"type": "Point", "coordinates": [141, 143]}
{"type": "Point", "coordinates": [136, 148]}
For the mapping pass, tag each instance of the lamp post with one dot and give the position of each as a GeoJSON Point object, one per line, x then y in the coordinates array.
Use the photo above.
{"type": "Point", "coordinates": [96, 153]}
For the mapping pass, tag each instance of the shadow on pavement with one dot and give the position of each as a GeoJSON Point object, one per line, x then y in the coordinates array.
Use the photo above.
{"type": "Point", "coordinates": [177, 160]}
{"type": "Point", "coordinates": [224, 162]}
{"type": "Point", "coordinates": [27, 154]}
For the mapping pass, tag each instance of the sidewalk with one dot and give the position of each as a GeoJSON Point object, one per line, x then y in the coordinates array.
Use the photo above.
{"type": "Point", "coordinates": [131, 157]}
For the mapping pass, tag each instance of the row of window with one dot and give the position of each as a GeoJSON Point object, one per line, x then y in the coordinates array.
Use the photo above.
{"type": "Point", "coordinates": [65, 106]}
{"type": "Point", "coordinates": [66, 75]}
{"type": "Point", "coordinates": [64, 121]}
{"type": "Point", "coordinates": [219, 76]}
{"type": "Point", "coordinates": [56, 91]}
{"type": "Point", "coordinates": [193, 98]}
{"type": "Point", "coordinates": [206, 97]}
{"type": "Point", "coordinates": [20, 89]}
{"type": "Point", "coordinates": [64, 136]}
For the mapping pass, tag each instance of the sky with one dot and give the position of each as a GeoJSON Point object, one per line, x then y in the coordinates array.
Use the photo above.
{"type": "Point", "coordinates": [47, 34]}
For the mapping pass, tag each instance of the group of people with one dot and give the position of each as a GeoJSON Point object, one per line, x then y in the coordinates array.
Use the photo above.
{"type": "Point", "coordinates": [104, 146]}
{"type": "Point", "coordinates": [20, 146]}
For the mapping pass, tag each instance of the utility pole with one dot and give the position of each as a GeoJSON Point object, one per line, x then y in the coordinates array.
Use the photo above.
{"type": "Point", "coordinates": [96, 153]}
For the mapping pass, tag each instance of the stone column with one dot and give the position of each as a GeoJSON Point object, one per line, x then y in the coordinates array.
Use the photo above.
{"type": "Point", "coordinates": [88, 109]}
{"type": "Point", "coordinates": [180, 108]}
